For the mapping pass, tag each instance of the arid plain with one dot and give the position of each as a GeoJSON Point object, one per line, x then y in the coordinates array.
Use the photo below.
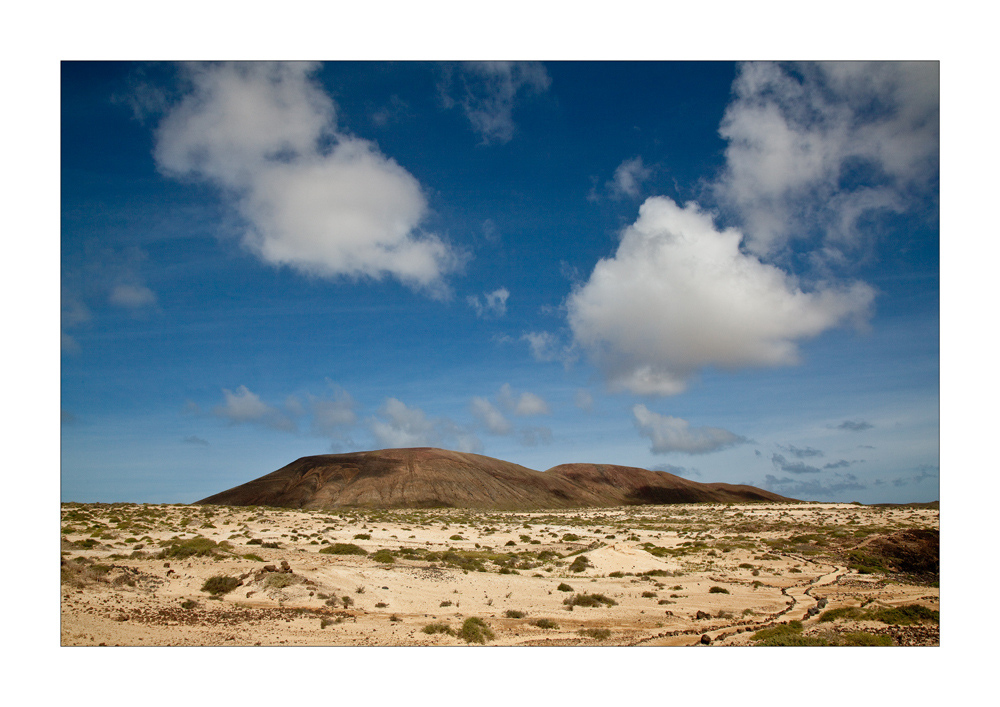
{"type": "Point", "coordinates": [662, 575]}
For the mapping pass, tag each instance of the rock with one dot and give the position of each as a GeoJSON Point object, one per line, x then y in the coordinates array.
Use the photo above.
{"type": "Point", "coordinates": [269, 568]}
{"type": "Point", "coordinates": [285, 567]}
{"type": "Point", "coordinates": [702, 615]}
{"type": "Point", "coordinates": [706, 640]}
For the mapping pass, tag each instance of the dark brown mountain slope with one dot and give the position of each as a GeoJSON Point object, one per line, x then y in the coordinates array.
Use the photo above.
{"type": "Point", "coordinates": [426, 477]}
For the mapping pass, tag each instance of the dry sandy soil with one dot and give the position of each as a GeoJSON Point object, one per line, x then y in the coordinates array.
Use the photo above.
{"type": "Point", "coordinates": [697, 574]}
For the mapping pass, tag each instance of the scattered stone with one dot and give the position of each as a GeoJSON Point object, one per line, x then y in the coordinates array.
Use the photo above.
{"type": "Point", "coordinates": [706, 640]}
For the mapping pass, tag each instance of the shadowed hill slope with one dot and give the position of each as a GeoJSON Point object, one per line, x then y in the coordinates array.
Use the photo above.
{"type": "Point", "coordinates": [429, 478]}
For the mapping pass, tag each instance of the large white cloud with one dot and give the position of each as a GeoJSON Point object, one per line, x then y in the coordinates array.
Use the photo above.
{"type": "Point", "coordinates": [815, 147]}
{"type": "Point", "coordinates": [679, 295]}
{"type": "Point", "coordinates": [320, 201]}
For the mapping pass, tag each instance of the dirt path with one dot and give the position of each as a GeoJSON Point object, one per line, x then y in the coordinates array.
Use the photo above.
{"type": "Point", "coordinates": [801, 606]}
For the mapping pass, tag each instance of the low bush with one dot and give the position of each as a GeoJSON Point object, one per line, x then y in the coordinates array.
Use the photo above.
{"type": "Point", "coordinates": [579, 564]}
{"type": "Point", "coordinates": [544, 623]}
{"type": "Point", "coordinates": [431, 629]}
{"type": "Point", "coordinates": [563, 587]}
{"type": "Point", "coordinates": [343, 549]}
{"type": "Point", "coordinates": [718, 590]}
{"type": "Point", "coordinates": [863, 638]}
{"type": "Point", "coordinates": [589, 600]}
{"type": "Point", "coordinates": [384, 556]}
{"type": "Point", "coordinates": [601, 634]}
{"type": "Point", "coordinates": [475, 630]}
{"type": "Point", "coordinates": [220, 584]}
{"type": "Point", "coordinates": [514, 614]}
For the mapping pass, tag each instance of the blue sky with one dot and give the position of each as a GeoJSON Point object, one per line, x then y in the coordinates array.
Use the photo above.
{"type": "Point", "coordinates": [726, 271]}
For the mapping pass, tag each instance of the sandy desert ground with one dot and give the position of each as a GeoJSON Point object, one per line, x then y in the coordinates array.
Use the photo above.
{"type": "Point", "coordinates": [677, 575]}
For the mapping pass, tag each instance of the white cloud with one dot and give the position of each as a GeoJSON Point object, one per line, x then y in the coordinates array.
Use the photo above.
{"type": "Point", "coordinates": [672, 434]}
{"type": "Point", "coordinates": [546, 346]}
{"type": "Point", "coordinates": [260, 131]}
{"type": "Point", "coordinates": [243, 406]}
{"type": "Point", "coordinates": [628, 177]}
{"type": "Point", "coordinates": [132, 296]}
{"type": "Point", "coordinates": [332, 416]}
{"type": "Point", "coordinates": [817, 146]}
{"type": "Point", "coordinates": [679, 295]}
{"type": "Point", "coordinates": [488, 91]}
{"type": "Point", "coordinates": [490, 416]}
{"type": "Point", "coordinates": [525, 405]}
{"type": "Point", "coordinates": [494, 303]}
{"type": "Point", "coordinates": [584, 400]}
{"type": "Point", "coordinates": [402, 426]}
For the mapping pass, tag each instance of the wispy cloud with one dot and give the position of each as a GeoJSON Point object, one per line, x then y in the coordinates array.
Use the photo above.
{"type": "Point", "coordinates": [627, 180]}
{"type": "Point", "coordinates": [132, 296]}
{"type": "Point", "coordinates": [196, 440]}
{"type": "Point", "coordinates": [488, 91]}
{"type": "Point", "coordinates": [313, 198]}
{"type": "Point", "coordinates": [490, 416]}
{"type": "Point", "coordinates": [854, 425]}
{"type": "Point", "coordinates": [801, 453]}
{"type": "Point", "coordinates": [815, 489]}
{"type": "Point", "coordinates": [494, 303]}
{"type": "Point", "coordinates": [244, 407]}
{"type": "Point", "coordinates": [672, 434]}
{"type": "Point", "coordinates": [680, 295]}
{"type": "Point", "coordinates": [525, 404]}
{"type": "Point", "coordinates": [400, 426]}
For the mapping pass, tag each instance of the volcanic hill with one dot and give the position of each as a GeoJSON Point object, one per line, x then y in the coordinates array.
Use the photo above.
{"type": "Point", "coordinates": [425, 477]}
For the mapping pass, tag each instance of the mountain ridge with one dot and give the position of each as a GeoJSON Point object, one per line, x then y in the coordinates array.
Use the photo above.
{"type": "Point", "coordinates": [427, 477]}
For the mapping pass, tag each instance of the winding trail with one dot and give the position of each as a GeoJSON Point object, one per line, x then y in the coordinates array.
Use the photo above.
{"type": "Point", "coordinates": [801, 606]}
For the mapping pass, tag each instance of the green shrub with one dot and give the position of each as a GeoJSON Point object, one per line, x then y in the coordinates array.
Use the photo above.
{"type": "Point", "coordinates": [905, 615]}
{"type": "Point", "coordinates": [514, 614]}
{"type": "Point", "coordinates": [589, 600]}
{"type": "Point", "coordinates": [845, 612]}
{"type": "Point", "coordinates": [431, 629]}
{"type": "Point", "coordinates": [544, 623]}
{"type": "Point", "coordinates": [863, 638]}
{"type": "Point", "coordinates": [616, 574]}
{"type": "Point", "coordinates": [475, 630]}
{"type": "Point", "coordinates": [220, 584]}
{"type": "Point", "coordinates": [343, 549]}
{"type": "Point", "coordinates": [194, 547]}
{"type": "Point", "coordinates": [579, 564]}
{"type": "Point", "coordinates": [718, 590]}
{"type": "Point", "coordinates": [384, 556]}
{"type": "Point", "coordinates": [563, 587]}
{"type": "Point", "coordinates": [570, 538]}
{"type": "Point", "coordinates": [456, 537]}
{"type": "Point", "coordinates": [601, 634]}
{"type": "Point", "coordinates": [363, 536]}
